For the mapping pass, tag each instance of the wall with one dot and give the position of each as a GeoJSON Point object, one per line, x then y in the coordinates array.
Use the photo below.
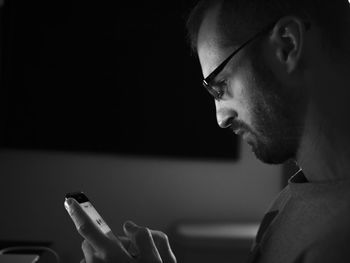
{"type": "Point", "coordinates": [152, 192]}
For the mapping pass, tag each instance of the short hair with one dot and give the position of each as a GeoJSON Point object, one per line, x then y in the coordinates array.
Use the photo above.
{"type": "Point", "coordinates": [240, 19]}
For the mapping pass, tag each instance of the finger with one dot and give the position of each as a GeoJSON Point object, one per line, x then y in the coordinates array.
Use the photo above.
{"type": "Point", "coordinates": [129, 245]}
{"type": "Point", "coordinates": [144, 242]}
{"type": "Point", "coordinates": [88, 251]}
{"type": "Point", "coordinates": [82, 261]}
{"type": "Point", "coordinates": [85, 226]}
{"type": "Point", "coordinates": [129, 240]}
{"type": "Point", "coordinates": [125, 241]}
{"type": "Point", "coordinates": [146, 247]}
{"type": "Point", "coordinates": [162, 243]}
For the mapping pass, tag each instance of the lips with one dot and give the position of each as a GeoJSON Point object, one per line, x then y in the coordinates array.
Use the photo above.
{"type": "Point", "coordinates": [239, 132]}
{"type": "Point", "coordinates": [236, 128]}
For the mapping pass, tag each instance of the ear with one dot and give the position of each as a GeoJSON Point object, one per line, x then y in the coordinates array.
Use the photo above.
{"type": "Point", "coordinates": [288, 41]}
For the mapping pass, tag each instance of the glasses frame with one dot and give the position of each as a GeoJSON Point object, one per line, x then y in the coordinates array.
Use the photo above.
{"type": "Point", "coordinates": [207, 82]}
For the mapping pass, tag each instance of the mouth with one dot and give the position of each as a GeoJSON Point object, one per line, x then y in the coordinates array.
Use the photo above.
{"type": "Point", "coordinates": [237, 128]}
{"type": "Point", "coordinates": [238, 132]}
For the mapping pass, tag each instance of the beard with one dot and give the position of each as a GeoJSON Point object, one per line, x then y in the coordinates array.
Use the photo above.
{"type": "Point", "coordinates": [277, 116]}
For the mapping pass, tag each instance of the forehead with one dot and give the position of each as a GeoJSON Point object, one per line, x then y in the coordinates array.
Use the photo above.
{"type": "Point", "coordinates": [210, 52]}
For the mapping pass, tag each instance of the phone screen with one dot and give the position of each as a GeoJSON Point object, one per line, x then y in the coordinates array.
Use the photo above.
{"type": "Point", "coordinates": [90, 210]}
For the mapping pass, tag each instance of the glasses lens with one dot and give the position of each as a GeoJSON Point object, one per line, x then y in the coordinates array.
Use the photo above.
{"type": "Point", "coordinates": [214, 91]}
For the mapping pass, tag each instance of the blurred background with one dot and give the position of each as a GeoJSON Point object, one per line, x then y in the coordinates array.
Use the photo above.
{"type": "Point", "coordinates": [106, 97]}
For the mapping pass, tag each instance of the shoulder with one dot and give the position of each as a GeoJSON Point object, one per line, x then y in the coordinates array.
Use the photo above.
{"type": "Point", "coordinates": [331, 247]}
{"type": "Point", "coordinates": [280, 200]}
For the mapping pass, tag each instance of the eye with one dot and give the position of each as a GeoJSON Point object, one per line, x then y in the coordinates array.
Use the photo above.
{"type": "Point", "coordinates": [221, 88]}
{"type": "Point", "coordinates": [218, 89]}
{"type": "Point", "coordinates": [223, 84]}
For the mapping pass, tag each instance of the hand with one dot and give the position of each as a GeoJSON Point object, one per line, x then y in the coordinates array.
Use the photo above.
{"type": "Point", "coordinates": [143, 240]}
{"type": "Point", "coordinates": [141, 245]}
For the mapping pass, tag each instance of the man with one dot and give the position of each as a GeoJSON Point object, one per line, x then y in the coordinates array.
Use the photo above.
{"type": "Point", "coordinates": [279, 71]}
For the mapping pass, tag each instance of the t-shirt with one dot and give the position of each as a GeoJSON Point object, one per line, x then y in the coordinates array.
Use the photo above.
{"type": "Point", "coordinates": [308, 222]}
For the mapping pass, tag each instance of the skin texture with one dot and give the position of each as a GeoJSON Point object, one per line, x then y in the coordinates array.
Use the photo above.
{"type": "Point", "coordinates": [139, 245]}
{"type": "Point", "coordinates": [286, 94]}
{"type": "Point", "coordinates": [278, 95]}
{"type": "Point", "coordinates": [256, 105]}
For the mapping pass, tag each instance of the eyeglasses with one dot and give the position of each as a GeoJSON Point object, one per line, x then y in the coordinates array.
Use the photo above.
{"type": "Point", "coordinates": [216, 91]}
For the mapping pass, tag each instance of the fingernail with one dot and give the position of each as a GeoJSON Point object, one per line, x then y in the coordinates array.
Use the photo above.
{"type": "Point", "coordinates": [67, 203]}
{"type": "Point", "coordinates": [131, 226]}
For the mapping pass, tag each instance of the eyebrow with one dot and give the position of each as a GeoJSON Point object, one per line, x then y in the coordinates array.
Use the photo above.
{"type": "Point", "coordinates": [222, 73]}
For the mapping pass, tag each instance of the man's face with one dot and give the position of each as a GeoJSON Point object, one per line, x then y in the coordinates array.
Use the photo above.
{"type": "Point", "coordinates": [256, 105]}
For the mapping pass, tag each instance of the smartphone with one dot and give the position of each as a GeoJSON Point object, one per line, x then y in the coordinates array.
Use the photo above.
{"type": "Point", "coordinates": [90, 210]}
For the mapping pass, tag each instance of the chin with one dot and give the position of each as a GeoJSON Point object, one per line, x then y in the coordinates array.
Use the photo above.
{"type": "Point", "coordinates": [270, 154]}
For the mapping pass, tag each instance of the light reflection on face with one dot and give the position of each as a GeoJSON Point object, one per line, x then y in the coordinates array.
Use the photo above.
{"type": "Point", "coordinates": [273, 117]}
{"type": "Point", "coordinates": [256, 105]}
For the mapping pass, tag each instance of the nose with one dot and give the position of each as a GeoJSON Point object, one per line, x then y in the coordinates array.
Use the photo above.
{"type": "Point", "coordinates": [224, 115]}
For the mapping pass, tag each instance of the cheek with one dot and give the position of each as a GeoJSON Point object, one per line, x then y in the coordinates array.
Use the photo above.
{"type": "Point", "coordinates": [244, 100]}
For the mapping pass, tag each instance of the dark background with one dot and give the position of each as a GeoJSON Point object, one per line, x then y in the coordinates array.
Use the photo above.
{"type": "Point", "coordinates": [105, 76]}
{"type": "Point", "coordinates": [119, 78]}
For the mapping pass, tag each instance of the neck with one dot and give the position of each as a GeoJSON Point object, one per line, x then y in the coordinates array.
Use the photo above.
{"type": "Point", "coordinates": [324, 152]}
